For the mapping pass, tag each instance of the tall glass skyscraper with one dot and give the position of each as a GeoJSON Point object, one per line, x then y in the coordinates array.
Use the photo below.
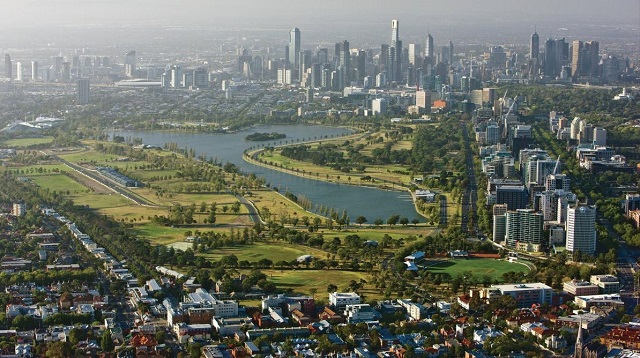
{"type": "Point", "coordinates": [294, 47]}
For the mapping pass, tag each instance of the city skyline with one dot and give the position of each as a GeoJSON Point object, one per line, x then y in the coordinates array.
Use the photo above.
{"type": "Point", "coordinates": [68, 12]}
{"type": "Point", "coordinates": [496, 21]}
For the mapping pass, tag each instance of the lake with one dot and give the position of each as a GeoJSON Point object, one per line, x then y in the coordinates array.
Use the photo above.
{"type": "Point", "coordinates": [368, 202]}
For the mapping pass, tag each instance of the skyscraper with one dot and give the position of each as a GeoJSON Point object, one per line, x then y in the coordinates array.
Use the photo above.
{"type": "Point", "coordinates": [294, 47]}
{"type": "Point", "coordinates": [577, 59]}
{"type": "Point", "coordinates": [19, 71]}
{"type": "Point", "coordinates": [429, 50]}
{"type": "Point", "coordinates": [130, 63]}
{"type": "Point", "coordinates": [395, 28]}
{"type": "Point", "coordinates": [395, 53]}
{"type": "Point", "coordinates": [550, 58]}
{"type": "Point", "coordinates": [414, 53]}
{"type": "Point", "coordinates": [8, 67]}
{"type": "Point", "coordinates": [383, 60]}
{"type": "Point", "coordinates": [83, 95]}
{"type": "Point", "coordinates": [344, 59]}
{"type": "Point", "coordinates": [450, 52]}
{"type": "Point", "coordinates": [34, 70]}
{"type": "Point", "coordinates": [323, 56]}
{"type": "Point", "coordinates": [525, 227]}
{"type": "Point", "coordinates": [581, 229]}
{"type": "Point", "coordinates": [534, 49]}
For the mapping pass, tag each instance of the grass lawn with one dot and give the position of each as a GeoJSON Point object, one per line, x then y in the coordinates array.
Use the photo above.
{"type": "Point", "coordinates": [377, 234]}
{"type": "Point", "coordinates": [263, 250]}
{"type": "Point", "coordinates": [26, 142]}
{"type": "Point", "coordinates": [58, 182]}
{"type": "Point", "coordinates": [302, 281]}
{"type": "Point", "coordinates": [101, 201]}
{"type": "Point", "coordinates": [166, 235]}
{"type": "Point", "coordinates": [479, 267]}
{"type": "Point", "coordinates": [89, 156]}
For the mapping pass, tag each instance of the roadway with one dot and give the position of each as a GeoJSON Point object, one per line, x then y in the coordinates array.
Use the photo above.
{"type": "Point", "coordinates": [253, 212]}
{"type": "Point", "coordinates": [95, 176]}
{"type": "Point", "coordinates": [470, 197]}
{"type": "Point", "coordinates": [625, 266]}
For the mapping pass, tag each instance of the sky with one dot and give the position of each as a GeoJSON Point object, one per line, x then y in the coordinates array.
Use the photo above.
{"type": "Point", "coordinates": [285, 13]}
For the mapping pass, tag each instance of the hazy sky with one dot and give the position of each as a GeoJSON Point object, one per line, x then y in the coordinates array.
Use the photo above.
{"type": "Point", "coordinates": [286, 13]}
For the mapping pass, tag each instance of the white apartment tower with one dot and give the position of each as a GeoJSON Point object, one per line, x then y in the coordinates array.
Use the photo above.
{"type": "Point", "coordinates": [581, 229]}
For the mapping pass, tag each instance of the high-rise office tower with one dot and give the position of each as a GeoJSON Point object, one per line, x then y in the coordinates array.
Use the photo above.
{"type": "Point", "coordinates": [577, 59]}
{"type": "Point", "coordinates": [323, 56]}
{"type": "Point", "coordinates": [19, 71]}
{"type": "Point", "coordinates": [130, 63]}
{"type": "Point", "coordinates": [525, 226]}
{"type": "Point", "coordinates": [294, 47]}
{"type": "Point", "coordinates": [429, 50]}
{"type": "Point", "coordinates": [550, 58]}
{"type": "Point", "coordinates": [383, 60]}
{"type": "Point", "coordinates": [175, 76]}
{"type": "Point", "coordinates": [395, 53]}
{"type": "Point", "coordinates": [57, 66]}
{"type": "Point", "coordinates": [8, 67]}
{"type": "Point", "coordinates": [450, 52]}
{"type": "Point", "coordinates": [558, 182]}
{"type": "Point", "coordinates": [423, 100]}
{"type": "Point", "coordinates": [414, 54]}
{"type": "Point", "coordinates": [581, 229]}
{"type": "Point", "coordinates": [534, 48]}
{"type": "Point", "coordinates": [515, 196]}
{"type": "Point", "coordinates": [34, 70]}
{"type": "Point", "coordinates": [585, 59]}
{"type": "Point", "coordinates": [556, 55]}
{"type": "Point", "coordinates": [305, 62]}
{"type": "Point", "coordinates": [499, 222]}
{"type": "Point", "coordinates": [593, 57]}
{"type": "Point", "coordinates": [66, 71]}
{"type": "Point", "coordinates": [84, 94]}
{"type": "Point", "coordinates": [361, 62]}
{"type": "Point", "coordinates": [344, 59]}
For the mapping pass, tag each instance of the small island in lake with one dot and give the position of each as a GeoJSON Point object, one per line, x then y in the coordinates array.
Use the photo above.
{"type": "Point", "coordinates": [261, 137]}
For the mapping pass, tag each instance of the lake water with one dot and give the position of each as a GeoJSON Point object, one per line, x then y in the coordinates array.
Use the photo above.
{"type": "Point", "coordinates": [368, 202]}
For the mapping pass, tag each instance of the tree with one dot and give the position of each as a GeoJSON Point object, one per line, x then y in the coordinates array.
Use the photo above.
{"type": "Point", "coordinates": [106, 342]}
{"type": "Point", "coordinates": [212, 217]}
{"type": "Point", "coordinates": [332, 288]}
{"type": "Point", "coordinates": [161, 336]}
{"type": "Point", "coordinates": [393, 219]}
{"type": "Point", "coordinates": [77, 335]}
{"type": "Point", "coordinates": [378, 222]}
{"type": "Point", "coordinates": [313, 292]}
{"type": "Point", "coordinates": [361, 220]}
{"type": "Point", "coordinates": [59, 349]}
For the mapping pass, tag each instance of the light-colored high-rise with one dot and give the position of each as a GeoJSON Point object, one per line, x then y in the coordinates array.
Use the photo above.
{"type": "Point", "coordinates": [84, 94]}
{"type": "Point", "coordinates": [34, 70]}
{"type": "Point", "coordinates": [414, 53]}
{"type": "Point", "coordinates": [294, 47]}
{"type": "Point", "coordinates": [19, 71]}
{"type": "Point", "coordinates": [429, 50]}
{"type": "Point", "coordinates": [130, 63]}
{"type": "Point", "coordinates": [581, 229]}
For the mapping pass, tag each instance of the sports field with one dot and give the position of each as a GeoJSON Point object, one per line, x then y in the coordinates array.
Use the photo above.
{"type": "Point", "coordinates": [478, 267]}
